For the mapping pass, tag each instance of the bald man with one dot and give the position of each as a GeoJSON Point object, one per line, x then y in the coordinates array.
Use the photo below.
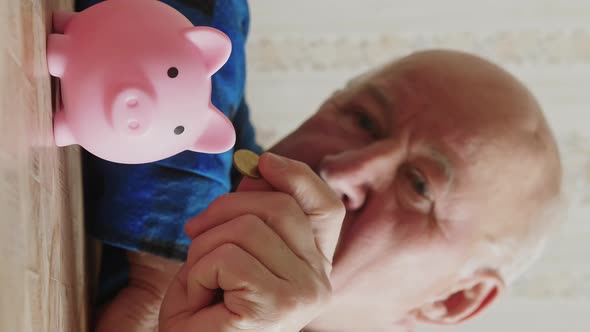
{"type": "Point", "coordinates": [441, 162]}
{"type": "Point", "coordinates": [414, 196]}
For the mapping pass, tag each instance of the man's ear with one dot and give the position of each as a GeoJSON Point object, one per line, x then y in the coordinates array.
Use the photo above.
{"type": "Point", "coordinates": [467, 299]}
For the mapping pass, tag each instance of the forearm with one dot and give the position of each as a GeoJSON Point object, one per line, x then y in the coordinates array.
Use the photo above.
{"type": "Point", "coordinates": [133, 309]}
{"type": "Point", "coordinates": [136, 307]}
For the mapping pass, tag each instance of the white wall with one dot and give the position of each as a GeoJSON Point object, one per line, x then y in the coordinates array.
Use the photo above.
{"type": "Point", "coordinates": [300, 51]}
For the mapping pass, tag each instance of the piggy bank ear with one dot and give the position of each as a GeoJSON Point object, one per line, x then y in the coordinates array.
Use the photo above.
{"type": "Point", "coordinates": [219, 136]}
{"type": "Point", "coordinates": [214, 45]}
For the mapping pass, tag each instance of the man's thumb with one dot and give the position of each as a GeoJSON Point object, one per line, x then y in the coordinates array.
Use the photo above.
{"type": "Point", "coordinates": [313, 195]}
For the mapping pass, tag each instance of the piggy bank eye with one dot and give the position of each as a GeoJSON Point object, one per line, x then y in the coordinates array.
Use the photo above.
{"type": "Point", "coordinates": [172, 72]}
{"type": "Point", "coordinates": [179, 130]}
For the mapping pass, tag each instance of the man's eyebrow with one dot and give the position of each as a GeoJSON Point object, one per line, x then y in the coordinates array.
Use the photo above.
{"type": "Point", "coordinates": [382, 99]}
{"type": "Point", "coordinates": [385, 102]}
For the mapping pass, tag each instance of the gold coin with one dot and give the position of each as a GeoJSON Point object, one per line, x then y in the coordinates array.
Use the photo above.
{"type": "Point", "coordinates": [246, 162]}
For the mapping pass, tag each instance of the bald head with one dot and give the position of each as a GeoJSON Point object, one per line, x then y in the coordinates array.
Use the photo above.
{"type": "Point", "coordinates": [507, 146]}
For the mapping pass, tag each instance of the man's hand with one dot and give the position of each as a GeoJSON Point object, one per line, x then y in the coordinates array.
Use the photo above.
{"type": "Point", "coordinates": [269, 252]}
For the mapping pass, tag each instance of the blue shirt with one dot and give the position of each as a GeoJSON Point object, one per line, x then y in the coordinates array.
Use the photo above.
{"type": "Point", "coordinates": [144, 207]}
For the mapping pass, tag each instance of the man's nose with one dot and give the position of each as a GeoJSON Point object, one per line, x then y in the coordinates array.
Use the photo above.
{"type": "Point", "coordinates": [354, 174]}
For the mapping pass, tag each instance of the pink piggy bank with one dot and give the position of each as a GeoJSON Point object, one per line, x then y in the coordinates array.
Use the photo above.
{"type": "Point", "coordinates": [136, 82]}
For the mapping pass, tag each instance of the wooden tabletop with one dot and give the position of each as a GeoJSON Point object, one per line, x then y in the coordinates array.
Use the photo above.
{"type": "Point", "coordinates": [42, 268]}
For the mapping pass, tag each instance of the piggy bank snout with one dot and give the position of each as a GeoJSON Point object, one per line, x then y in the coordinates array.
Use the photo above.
{"type": "Point", "coordinates": [132, 112]}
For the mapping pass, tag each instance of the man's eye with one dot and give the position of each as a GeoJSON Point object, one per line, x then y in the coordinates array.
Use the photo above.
{"type": "Point", "coordinates": [413, 192]}
{"type": "Point", "coordinates": [419, 186]}
{"type": "Point", "coordinates": [357, 117]}
{"type": "Point", "coordinates": [366, 122]}
{"type": "Point", "coordinates": [418, 183]}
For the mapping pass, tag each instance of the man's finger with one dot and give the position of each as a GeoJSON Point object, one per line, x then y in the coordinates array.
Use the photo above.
{"type": "Point", "coordinates": [247, 286]}
{"type": "Point", "coordinates": [246, 283]}
{"type": "Point", "coordinates": [313, 195]}
{"type": "Point", "coordinates": [248, 184]}
{"type": "Point", "coordinates": [252, 235]}
{"type": "Point", "coordinates": [175, 307]}
{"type": "Point", "coordinates": [240, 275]}
{"type": "Point", "coordinates": [280, 212]}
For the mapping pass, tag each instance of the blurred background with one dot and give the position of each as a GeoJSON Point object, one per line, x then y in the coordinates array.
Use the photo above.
{"type": "Point", "coordinates": [301, 51]}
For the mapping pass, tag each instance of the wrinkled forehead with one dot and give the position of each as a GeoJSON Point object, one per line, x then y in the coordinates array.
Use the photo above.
{"type": "Point", "coordinates": [479, 120]}
{"type": "Point", "coordinates": [473, 104]}
{"type": "Point", "coordinates": [499, 177]}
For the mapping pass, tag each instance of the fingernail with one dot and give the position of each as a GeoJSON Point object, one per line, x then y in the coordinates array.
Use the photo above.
{"type": "Point", "coordinates": [276, 161]}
